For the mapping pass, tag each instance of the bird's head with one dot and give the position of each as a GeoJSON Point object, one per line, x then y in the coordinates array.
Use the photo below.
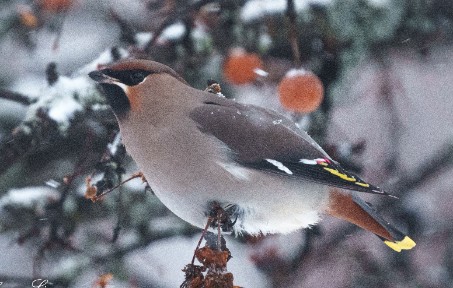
{"type": "Point", "coordinates": [126, 83]}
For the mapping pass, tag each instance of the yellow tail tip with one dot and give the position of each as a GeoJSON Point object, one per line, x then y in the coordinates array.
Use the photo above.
{"type": "Point", "coordinates": [405, 244]}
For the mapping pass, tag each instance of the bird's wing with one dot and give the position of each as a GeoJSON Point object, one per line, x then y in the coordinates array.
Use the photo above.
{"type": "Point", "coordinates": [265, 140]}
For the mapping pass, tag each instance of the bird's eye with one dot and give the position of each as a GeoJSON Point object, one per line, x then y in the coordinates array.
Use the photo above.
{"type": "Point", "coordinates": [137, 77]}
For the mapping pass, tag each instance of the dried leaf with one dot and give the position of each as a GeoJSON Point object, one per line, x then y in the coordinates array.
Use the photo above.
{"type": "Point", "coordinates": [103, 280]}
{"type": "Point", "coordinates": [91, 190]}
{"type": "Point", "coordinates": [212, 258]}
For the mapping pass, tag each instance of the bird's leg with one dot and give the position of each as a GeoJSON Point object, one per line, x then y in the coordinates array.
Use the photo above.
{"type": "Point", "coordinates": [217, 213]}
{"type": "Point", "coordinates": [201, 238]}
{"type": "Point", "coordinates": [219, 234]}
{"type": "Point", "coordinates": [217, 218]}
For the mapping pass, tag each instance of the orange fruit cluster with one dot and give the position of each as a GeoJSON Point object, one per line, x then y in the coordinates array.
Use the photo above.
{"type": "Point", "coordinates": [301, 91]}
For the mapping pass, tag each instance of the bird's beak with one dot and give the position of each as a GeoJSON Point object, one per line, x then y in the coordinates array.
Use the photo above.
{"type": "Point", "coordinates": [100, 77]}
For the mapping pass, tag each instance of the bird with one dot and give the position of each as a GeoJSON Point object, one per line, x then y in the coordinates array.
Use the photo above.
{"type": "Point", "coordinates": [196, 148]}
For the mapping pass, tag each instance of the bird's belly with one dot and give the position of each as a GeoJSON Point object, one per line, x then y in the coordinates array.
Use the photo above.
{"type": "Point", "coordinates": [186, 177]}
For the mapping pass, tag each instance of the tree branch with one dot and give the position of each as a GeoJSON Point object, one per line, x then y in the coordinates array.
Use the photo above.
{"type": "Point", "coordinates": [292, 27]}
{"type": "Point", "coordinates": [16, 97]}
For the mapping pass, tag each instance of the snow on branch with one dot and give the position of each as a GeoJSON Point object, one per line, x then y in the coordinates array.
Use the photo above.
{"type": "Point", "coordinates": [64, 102]}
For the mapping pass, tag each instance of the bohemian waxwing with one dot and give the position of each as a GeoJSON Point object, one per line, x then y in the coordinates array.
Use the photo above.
{"type": "Point", "coordinates": [196, 148]}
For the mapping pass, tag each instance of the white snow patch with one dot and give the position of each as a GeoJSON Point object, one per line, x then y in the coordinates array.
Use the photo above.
{"type": "Point", "coordinates": [60, 99]}
{"type": "Point", "coordinates": [260, 72]}
{"type": "Point", "coordinates": [143, 38]}
{"type": "Point", "coordinates": [53, 183]}
{"type": "Point", "coordinates": [135, 185]}
{"type": "Point", "coordinates": [256, 9]}
{"type": "Point", "coordinates": [98, 107]}
{"type": "Point", "coordinates": [63, 110]}
{"type": "Point", "coordinates": [113, 147]}
{"type": "Point", "coordinates": [30, 197]}
{"type": "Point", "coordinates": [296, 72]}
{"type": "Point", "coordinates": [173, 32]}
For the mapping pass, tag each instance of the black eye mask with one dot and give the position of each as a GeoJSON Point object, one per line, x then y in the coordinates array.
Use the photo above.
{"type": "Point", "coordinates": [128, 77]}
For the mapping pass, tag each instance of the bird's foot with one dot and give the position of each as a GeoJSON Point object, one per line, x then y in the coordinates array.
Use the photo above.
{"type": "Point", "coordinates": [222, 217]}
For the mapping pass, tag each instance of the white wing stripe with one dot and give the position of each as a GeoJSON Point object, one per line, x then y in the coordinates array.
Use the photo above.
{"type": "Point", "coordinates": [280, 166]}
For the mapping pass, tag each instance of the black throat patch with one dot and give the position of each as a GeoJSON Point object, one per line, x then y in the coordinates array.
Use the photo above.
{"type": "Point", "coordinates": [117, 99]}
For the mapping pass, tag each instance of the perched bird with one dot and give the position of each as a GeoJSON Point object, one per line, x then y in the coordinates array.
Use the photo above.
{"type": "Point", "coordinates": [196, 148]}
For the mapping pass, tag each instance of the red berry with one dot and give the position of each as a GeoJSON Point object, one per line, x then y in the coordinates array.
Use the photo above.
{"type": "Point", "coordinates": [300, 91]}
{"type": "Point", "coordinates": [240, 67]}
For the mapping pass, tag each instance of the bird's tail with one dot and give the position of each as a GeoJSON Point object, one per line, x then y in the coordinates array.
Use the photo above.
{"type": "Point", "coordinates": [351, 208]}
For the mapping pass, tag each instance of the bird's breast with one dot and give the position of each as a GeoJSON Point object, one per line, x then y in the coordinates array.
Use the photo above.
{"type": "Point", "coordinates": [176, 157]}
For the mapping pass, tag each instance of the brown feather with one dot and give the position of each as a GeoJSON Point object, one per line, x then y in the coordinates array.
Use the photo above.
{"type": "Point", "coordinates": [342, 206]}
{"type": "Point", "coordinates": [135, 98]}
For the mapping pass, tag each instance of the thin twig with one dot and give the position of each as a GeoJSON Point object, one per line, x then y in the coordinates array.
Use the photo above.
{"type": "Point", "coordinates": [51, 73]}
{"type": "Point", "coordinates": [208, 223]}
{"type": "Point", "coordinates": [388, 102]}
{"type": "Point", "coordinates": [292, 27]}
{"type": "Point", "coordinates": [13, 148]}
{"type": "Point", "coordinates": [219, 235]}
{"type": "Point", "coordinates": [117, 229]}
{"type": "Point", "coordinates": [56, 42]}
{"type": "Point", "coordinates": [16, 97]}
{"type": "Point", "coordinates": [135, 175]}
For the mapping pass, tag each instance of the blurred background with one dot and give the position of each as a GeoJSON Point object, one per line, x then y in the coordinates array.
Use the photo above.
{"type": "Point", "coordinates": [384, 110]}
